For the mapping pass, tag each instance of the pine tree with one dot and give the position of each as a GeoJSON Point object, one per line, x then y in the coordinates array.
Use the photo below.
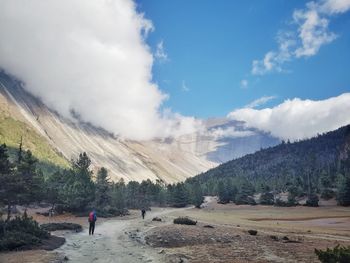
{"type": "Point", "coordinates": [10, 185]}
{"type": "Point", "coordinates": [180, 195]}
{"type": "Point", "coordinates": [343, 195]}
{"type": "Point", "coordinates": [197, 194]}
{"type": "Point", "coordinates": [266, 197]}
{"type": "Point", "coordinates": [53, 187]}
{"type": "Point", "coordinates": [102, 193]}
{"type": "Point", "coordinates": [245, 192]}
{"type": "Point", "coordinates": [118, 196]}
{"type": "Point", "coordinates": [223, 194]}
{"type": "Point", "coordinates": [30, 177]}
{"type": "Point", "coordinates": [79, 190]}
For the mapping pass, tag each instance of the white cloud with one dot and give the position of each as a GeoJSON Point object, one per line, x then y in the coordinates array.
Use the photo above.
{"type": "Point", "coordinates": [229, 132]}
{"type": "Point", "coordinates": [311, 33]}
{"type": "Point", "coordinates": [244, 83]}
{"type": "Point", "coordinates": [260, 101]}
{"type": "Point", "coordinates": [184, 87]}
{"type": "Point", "coordinates": [298, 119]}
{"type": "Point", "coordinates": [90, 57]}
{"type": "Point", "coordinates": [160, 52]}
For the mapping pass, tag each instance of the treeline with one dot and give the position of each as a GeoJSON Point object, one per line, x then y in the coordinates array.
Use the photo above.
{"type": "Point", "coordinates": [310, 168]}
{"type": "Point", "coordinates": [79, 190]}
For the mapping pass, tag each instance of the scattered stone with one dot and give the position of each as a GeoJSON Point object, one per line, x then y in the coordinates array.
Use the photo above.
{"type": "Point", "coordinates": [65, 258]}
{"type": "Point", "coordinates": [208, 226]}
{"type": "Point", "coordinates": [238, 226]}
{"type": "Point", "coordinates": [157, 219]}
{"type": "Point", "coordinates": [285, 238]}
{"type": "Point", "coordinates": [292, 241]}
{"type": "Point", "coordinates": [275, 238]}
{"type": "Point", "coordinates": [161, 251]}
{"type": "Point", "coordinates": [252, 232]}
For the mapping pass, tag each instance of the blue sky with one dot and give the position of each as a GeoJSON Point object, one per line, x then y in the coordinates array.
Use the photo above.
{"type": "Point", "coordinates": [279, 66]}
{"type": "Point", "coordinates": [210, 46]}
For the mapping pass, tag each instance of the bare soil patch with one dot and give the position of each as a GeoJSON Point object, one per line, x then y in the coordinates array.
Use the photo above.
{"type": "Point", "coordinates": [283, 234]}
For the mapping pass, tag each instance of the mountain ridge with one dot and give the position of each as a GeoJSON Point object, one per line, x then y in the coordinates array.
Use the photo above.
{"type": "Point", "coordinates": [169, 160]}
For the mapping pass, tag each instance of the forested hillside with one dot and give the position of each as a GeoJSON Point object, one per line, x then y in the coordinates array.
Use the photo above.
{"type": "Point", "coordinates": [314, 165]}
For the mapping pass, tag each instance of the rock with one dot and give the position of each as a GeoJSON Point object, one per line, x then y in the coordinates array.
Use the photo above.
{"type": "Point", "coordinates": [157, 219]}
{"type": "Point", "coordinates": [292, 241]}
{"type": "Point", "coordinates": [285, 238]}
{"type": "Point", "coordinates": [65, 258]}
{"type": "Point", "coordinates": [252, 232]}
{"type": "Point", "coordinates": [275, 238]}
{"type": "Point", "coordinates": [238, 226]}
{"type": "Point", "coordinates": [161, 251]}
{"type": "Point", "coordinates": [208, 226]}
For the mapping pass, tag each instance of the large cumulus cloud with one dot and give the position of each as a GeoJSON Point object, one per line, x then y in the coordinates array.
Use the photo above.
{"type": "Point", "coordinates": [89, 57]}
{"type": "Point", "coordinates": [298, 119]}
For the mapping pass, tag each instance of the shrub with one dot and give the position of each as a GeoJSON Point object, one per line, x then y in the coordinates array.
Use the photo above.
{"type": "Point", "coordinates": [312, 200]}
{"type": "Point", "coordinates": [327, 194]}
{"type": "Point", "coordinates": [20, 232]}
{"type": "Point", "coordinates": [291, 202]}
{"type": "Point", "coordinates": [252, 232]}
{"type": "Point", "coordinates": [244, 200]}
{"type": "Point", "coordinates": [339, 254]}
{"type": "Point", "coordinates": [267, 198]}
{"type": "Point", "coordinates": [61, 226]}
{"type": "Point", "coordinates": [184, 221]}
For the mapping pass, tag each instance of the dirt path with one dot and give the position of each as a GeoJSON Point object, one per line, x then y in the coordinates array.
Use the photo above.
{"type": "Point", "coordinates": [112, 243]}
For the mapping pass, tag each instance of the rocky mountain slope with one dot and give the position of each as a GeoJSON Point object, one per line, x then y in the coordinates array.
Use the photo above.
{"type": "Point", "coordinates": [55, 139]}
{"type": "Point", "coordinates": [301, 163]}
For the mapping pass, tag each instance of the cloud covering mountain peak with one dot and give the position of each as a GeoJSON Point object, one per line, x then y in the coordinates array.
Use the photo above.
{"type": "Point", "coordinates": [89, 57]}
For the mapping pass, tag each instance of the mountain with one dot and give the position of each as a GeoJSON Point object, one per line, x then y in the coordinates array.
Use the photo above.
{"type": "Point", "coordinates": [302, 161]}
{"type": "Point", "coordinates": [55, 140]}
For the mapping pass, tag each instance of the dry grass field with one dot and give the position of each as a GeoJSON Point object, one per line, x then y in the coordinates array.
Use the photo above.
{"type": "Point", "coordinates": [284, 234]}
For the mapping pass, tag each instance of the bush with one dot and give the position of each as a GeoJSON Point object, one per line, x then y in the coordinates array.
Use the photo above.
{"type": "Point", "coordinates": [184, 221]}
{"type": "Point", "coordinates": [61, 226]}
{"type": "Point", "coordinates": [20, 232]}
{"type": "Point", "coordinates": [244, 200]}
{"type": "Point", "coordinates": [327, 194]}
{"type": "Point", "coordinates": [312, 200]}
{"type": "Point", "coordinates": [339, 254]}
{"type": "Point", "coordinates": [281, 203]}
{"type": "Point", "coordinates": [267, 198]}
{"type": "Point", "coordinates": [252, 232]}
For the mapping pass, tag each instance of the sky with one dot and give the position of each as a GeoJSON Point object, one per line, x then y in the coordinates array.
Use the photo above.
{"type": "Point", "coordinates": [146, 69]}
{"type": "Point", "coordinates": [210, 48]}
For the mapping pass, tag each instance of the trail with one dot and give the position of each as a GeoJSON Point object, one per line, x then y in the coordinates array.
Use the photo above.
{"type": "Point", "coordinates": [112, 243]}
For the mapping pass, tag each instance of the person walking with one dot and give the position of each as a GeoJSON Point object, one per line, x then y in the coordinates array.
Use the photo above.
{"type": "Point", "coordinates": [143, 213]}
{"type": "Point", "coordinates": [92, 220]}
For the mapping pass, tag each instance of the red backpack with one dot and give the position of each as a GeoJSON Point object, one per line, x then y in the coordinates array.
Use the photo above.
{"type": "Point", "coordinates": [91, 217]}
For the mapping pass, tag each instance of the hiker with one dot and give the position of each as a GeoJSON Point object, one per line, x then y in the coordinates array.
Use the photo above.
{"type": "Point", "coordinates": [92, 220]}
{"type": "Point", "coordinates": [143, 212]}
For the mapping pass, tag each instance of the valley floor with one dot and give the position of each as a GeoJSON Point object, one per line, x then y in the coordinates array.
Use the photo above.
{"type": "Point", "coordinates": [284, 235]}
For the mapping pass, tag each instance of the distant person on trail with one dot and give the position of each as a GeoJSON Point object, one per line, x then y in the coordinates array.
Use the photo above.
{"type": "Point", "coordinates": [143, 213]}
{"type": "Point", "coordinates": [92, 220]}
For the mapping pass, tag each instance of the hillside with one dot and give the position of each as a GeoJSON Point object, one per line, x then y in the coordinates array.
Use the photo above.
{"type": "Point", "coordinates": [288, 162]}
{"type": "Point", "coordinates": [56, 139]}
